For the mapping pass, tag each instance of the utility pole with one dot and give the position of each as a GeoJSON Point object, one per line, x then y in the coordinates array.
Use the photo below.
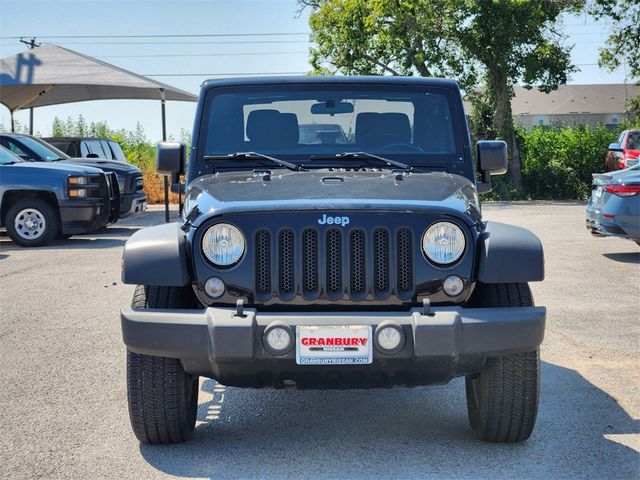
{"type": "Point", "coordinates": [31, 44]}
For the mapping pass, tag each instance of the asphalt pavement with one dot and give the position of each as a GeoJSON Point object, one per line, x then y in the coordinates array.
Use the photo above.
{"type": "Point", "coordinates": [63, 407]}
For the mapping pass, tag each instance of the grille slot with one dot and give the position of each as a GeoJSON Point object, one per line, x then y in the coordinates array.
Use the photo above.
{"type": "Point", "coordinates": [310, 261]}
{"type": "Point", "coordinates": [381, 261]}
{"type": "Point", "coordinates": [315, 263]}
{"type": "Point", "coordinates": [334, 262]}
{"type": "Point", "coordinates": [358, 282]}
{"type": "Point", "coordinates": [405, 262]}
{"type": "Point", "coordinates": [286, 254]}
{"type": "Point", "coordinates": [263, 263]}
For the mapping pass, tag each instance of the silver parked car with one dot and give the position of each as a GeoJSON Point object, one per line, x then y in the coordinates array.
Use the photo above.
{"type": "Point", "coordinates": [614, 206]}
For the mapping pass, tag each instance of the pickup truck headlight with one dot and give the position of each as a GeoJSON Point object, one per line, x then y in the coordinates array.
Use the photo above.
{"type": "Point", "coordinates": [443, 243]}
{"type": "Point", "coordinates": [223, 244]}
{"type": "Point", "coordinates": [75, 186]}
{"type": "Point", "coordinates": [121, 183]}
{"type": "Point", "coordinates": [78, 180]}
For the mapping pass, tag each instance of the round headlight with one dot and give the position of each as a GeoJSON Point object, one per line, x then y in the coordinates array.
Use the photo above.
{"type": "Point", "coordinates": [223, 244]}
{"type": "Point", "coordinates": [443, 243]}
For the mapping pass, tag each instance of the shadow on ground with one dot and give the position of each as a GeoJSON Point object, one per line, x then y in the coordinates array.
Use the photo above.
{"type": "Point", "coordinates": [626, 257]}
{"type": "Point", "coordinates": [400, 433]}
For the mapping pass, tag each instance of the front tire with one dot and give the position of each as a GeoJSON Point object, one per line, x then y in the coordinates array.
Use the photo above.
{"type": "Point", "coordinates": [31, 222]}
{"type": "Point", "coordinates": [502, 400]}
{"type": "Point", "coordinates": [162, 397]}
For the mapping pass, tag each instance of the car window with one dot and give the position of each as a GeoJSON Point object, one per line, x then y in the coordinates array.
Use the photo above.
{"type": "Point", "coordinates": [621, 138]}
{"type": "Point", "coordinates": [633, 141]}
{"type": "Point", "coordinates": [118, 154]}
{"type": "Point", "coordinates": [6, 156]}
{"type": "Point", "coordinates": [95, 147]}
{"type": "Point", "coordinates": [417, 124]}
{"type": "Point", "coordinates": [64, 145]}
{"type": "Point", "coordinates": [14, 148]}
{"type": "Point", "coordinates": [84, 149]}
{"type": "Point", "coordinates": [106, 149]}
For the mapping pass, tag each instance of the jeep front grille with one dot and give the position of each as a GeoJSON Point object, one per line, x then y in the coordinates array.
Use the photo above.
{"type": "Point", "coordinates": [336, 263]}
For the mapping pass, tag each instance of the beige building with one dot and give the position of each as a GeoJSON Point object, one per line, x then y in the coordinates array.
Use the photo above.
{"type": "Point", "coordinates": [573, 105]}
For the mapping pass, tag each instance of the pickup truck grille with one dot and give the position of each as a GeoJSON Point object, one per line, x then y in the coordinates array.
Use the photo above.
{"type": "Point", "coordinates": [336, 263]}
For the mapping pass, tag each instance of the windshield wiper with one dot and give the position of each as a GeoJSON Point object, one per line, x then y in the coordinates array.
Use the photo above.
{"type": "Point", "coordinates": [255, 155]}
{"type": "Point", "coordinates": [365, 156]}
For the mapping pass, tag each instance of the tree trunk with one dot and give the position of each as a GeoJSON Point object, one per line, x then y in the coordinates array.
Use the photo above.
{"type": "Point", "coordinates": [503, 120]}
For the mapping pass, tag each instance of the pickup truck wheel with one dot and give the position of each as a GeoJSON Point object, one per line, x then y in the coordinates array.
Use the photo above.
{"type": "Point", "coordinates": [502, 400]}
{"type": "Point", "coordinates": [163, 398]}
{"type": "Point", "coordinates": [31, 222]}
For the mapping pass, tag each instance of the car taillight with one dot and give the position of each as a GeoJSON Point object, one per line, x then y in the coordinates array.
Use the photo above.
{"type": "Point", "coordinates": [624, 190]}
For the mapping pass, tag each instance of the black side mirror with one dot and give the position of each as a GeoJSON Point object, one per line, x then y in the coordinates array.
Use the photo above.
{"type": "Point", "coordinates": [492, 160]}
{"type": "Point", "coordinates": [171, 158]}
{"type": "Point", "coordinates": [615, 147]}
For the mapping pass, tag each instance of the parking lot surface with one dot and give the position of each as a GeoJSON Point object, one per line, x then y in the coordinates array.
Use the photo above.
{"type": "Point", "coordinates": [63, 407]}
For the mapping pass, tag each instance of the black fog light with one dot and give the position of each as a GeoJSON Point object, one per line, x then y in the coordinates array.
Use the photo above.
{"type": "Point", "coordinates": [278, 338]}
{"type": "Point", "coordinates": [389, 338]}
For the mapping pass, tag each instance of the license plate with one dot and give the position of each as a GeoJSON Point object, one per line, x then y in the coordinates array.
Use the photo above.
{"type": "Point", "coordinates": [597, 193]}
{"type": "Point", "coordinates": [333, 345]}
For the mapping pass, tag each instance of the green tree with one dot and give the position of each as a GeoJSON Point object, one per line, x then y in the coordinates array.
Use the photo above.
{"type": "Point", "coordinates": [58, 128]}
{"type": "Point", "coordinates": [623, 43]}
{"type": "Point", "coordinates": [501, 41]}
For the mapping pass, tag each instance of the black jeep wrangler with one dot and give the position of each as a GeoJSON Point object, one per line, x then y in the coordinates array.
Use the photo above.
{"type": "Point", "coordinates": [347, 261]}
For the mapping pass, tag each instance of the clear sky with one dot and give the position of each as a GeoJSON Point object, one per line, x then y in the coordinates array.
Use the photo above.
{"type": "Point", "coordinates": [206, 56]}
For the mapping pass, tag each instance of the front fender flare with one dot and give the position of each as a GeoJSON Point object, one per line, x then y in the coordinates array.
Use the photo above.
{"type": "Point", "coordinates": [509, 254]}
{"type": "Point", "coordinates": [156, 256]}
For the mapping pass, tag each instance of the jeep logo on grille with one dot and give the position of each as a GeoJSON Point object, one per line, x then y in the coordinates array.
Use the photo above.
{"type": "Point", "coordinates": [326, 220]}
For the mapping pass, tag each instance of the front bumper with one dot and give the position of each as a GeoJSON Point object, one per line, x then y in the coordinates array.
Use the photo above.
{"type": "Point", "coordinates": [132, 203]}
{"type": "Point", "coordinates": [449, 342]}
{"type": "Point", "coordinates": [83, 216]}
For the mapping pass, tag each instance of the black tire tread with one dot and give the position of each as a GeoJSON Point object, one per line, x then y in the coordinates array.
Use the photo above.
{"type": "Point", "coordinates": [508, 387]}
{"type": "Point", "coordinates": [162, 397]}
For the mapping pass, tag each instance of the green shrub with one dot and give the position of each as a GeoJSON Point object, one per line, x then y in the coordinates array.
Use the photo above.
{"type": "Point", "coordinates": [557, 163]}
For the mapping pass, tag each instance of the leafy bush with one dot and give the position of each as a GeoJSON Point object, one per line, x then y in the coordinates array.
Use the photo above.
{"type": "Point", "coordinates": [557, 163]}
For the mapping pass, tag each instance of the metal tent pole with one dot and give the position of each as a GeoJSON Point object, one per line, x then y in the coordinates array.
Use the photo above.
{"type": "Point", "coordinates": [164, 139]}
{"type": "Point", "coordinates": [31, 121]}
{"type": "Point", "coordinates": [13, 123]}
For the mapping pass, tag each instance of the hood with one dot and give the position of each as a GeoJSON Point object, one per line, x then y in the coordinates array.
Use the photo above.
{"type": "Point", "coordinates": [106, 165]}
{"type": "Point", "coordinates": [58, 167]}
{"type": "Point", "coordinates": [324, 189]}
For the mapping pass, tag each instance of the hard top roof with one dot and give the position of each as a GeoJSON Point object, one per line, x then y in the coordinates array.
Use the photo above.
{"type": "Point", "coordinates": [328, 80]}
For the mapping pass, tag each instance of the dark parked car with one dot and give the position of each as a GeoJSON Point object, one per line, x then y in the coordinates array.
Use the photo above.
{"type": "Point", "coordinates": [624, 153]}
{"type": "Point", "coordinates": [614, 207]}
{"type": "Point", "coordinates": [130, 184]}
{"type": "Point", "coordinates": [40, 201]}
{"type": "Point", "coordinates": [333, 265]}
{"type": "Point", "coordinates": [88, 147]}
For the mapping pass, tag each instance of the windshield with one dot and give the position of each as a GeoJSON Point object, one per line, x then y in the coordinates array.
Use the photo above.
{"type": "Point", "coordinates": [7, 157]}
{"type": "Point", "coordinates": [48, 152]}
{"type": "Point", "coordinates": [303, 122]}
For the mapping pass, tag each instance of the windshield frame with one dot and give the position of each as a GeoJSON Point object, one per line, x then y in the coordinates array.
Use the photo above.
{"type": "Point", "coordinates": [428, 161]}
